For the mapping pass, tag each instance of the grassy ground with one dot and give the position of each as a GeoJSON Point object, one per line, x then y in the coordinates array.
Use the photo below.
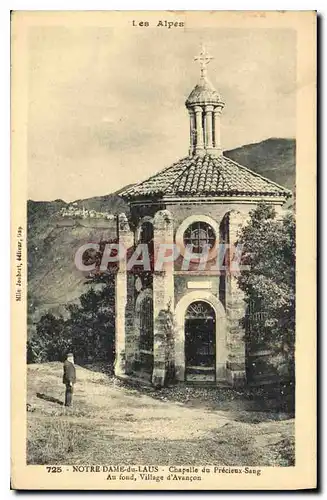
{"type": "Point", "coordinates": [111, 423]}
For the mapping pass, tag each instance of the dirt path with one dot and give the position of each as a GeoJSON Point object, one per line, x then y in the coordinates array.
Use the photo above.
{"type": "Point", "coordinates": [111, 423]}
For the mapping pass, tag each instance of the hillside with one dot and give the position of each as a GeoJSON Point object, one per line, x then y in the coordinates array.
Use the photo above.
{"type": "Point", "coordinates": [53, 279]}
{"type": "Point", "coordinates": [272, 158]}
{"type": "Point", "coordinates": [112, 203]}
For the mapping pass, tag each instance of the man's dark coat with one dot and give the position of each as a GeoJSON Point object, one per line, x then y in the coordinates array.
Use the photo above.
{"type": "Point", "coordinates": [69, 373]}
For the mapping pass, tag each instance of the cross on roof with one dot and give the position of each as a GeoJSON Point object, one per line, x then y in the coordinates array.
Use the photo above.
{"type": "Point", "coordinates": [204, 58]}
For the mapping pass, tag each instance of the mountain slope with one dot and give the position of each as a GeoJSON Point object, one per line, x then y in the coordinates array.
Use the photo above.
{"type": "Point", "coordinates": [272, 158]}
{"type": "Point", "coordinates": [52, 241]}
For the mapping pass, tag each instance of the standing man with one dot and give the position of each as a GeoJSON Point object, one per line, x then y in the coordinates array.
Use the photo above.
{"type": "Point", "coordinates": [69, 378]}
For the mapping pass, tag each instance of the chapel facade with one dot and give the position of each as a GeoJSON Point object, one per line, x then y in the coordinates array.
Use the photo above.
{"type": "Point", "coordinates": [183, 323]}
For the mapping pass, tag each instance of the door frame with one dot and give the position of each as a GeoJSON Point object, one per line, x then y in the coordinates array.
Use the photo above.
{"type": "Point", "coordinates": [221, 333]}
{"type": "Point", "coordinates": [209, 330]}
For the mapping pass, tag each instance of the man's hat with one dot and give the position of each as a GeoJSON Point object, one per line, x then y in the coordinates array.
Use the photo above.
{"type": "Point", "coordinates": [70, 354]}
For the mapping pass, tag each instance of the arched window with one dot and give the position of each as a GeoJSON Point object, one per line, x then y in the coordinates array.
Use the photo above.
{"type": "Point", "coordinates": [200, 310]}
{"type": "Point", "coordinates": [146, 324]}
{"type": "Point", "coordinates": [223, 240]}
{"type": "Point", "coordinates": [145, 236]}
{"type": "Point", "coordinates": [224, 229]}
{"type": "Point", "coordinates": [146, 232]}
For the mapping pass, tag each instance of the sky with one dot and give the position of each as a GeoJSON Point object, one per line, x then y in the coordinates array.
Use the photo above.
{"type": "Point", "coordinates": [106, 105]}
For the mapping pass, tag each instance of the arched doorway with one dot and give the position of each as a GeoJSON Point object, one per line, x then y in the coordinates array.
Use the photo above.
{"type": "Point", "coordinates": [143, 322]}
{"type": "Point", "coordinates": [220, 332]}
{"type": "Point", "coordinates": [200, 342]}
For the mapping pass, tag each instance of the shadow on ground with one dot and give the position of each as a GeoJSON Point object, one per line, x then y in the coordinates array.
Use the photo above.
{"type": "Point", "coordinates": [51, 399]}
{"type": "Point", "coordinates": [252, 405]}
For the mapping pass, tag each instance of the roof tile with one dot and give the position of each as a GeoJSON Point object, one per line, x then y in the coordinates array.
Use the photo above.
{"type": "Point", "coordinates": [203, 176]}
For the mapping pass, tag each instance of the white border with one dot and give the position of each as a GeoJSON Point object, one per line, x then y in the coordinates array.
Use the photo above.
{"type": "Point", "coordinates": [320, 5]}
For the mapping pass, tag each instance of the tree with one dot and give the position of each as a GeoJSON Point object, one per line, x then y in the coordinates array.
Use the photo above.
{"type": "Point", "coordinates": [269, 284]}
{"type": "Point", "coordinates": [92, 324]}
{"type": "Point", "coordinates": [50, 341]}
{"type": "Point", "coordinates": [89, 330]}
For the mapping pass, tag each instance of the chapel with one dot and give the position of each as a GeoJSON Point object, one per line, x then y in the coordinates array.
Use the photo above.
{"type": "Point", "coordinates": [183, 323]}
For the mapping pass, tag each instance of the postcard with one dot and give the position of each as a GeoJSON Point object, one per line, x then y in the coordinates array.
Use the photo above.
{"type": "Point", "coordinates": [163, 250]}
